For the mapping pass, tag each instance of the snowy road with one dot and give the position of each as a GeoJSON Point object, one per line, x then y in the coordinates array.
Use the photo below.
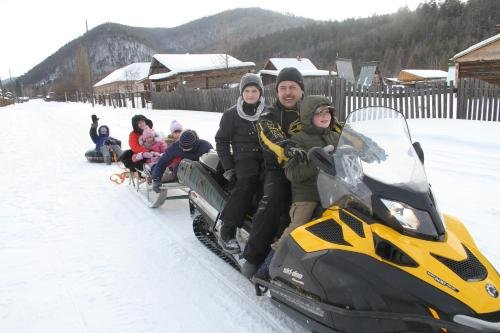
{"type": "Point", "coordinates": [81, 254]}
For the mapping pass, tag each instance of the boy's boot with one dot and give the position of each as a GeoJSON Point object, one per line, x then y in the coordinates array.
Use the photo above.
{"type": "Point", "coordinates": [228, 240]}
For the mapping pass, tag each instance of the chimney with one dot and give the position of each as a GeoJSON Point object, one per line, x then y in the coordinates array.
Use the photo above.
{"type": "Point", "coordinates": [497, 29]}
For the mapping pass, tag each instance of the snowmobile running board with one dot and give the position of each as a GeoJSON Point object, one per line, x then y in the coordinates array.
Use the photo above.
{"type": "Point", "coordinates": [479, 325]}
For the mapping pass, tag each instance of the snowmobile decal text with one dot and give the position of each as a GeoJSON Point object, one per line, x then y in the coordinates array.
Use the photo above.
{"type": "Point", "coordinates": [441, 281]}
{"type": "Point", "coordinates": [296, 276]}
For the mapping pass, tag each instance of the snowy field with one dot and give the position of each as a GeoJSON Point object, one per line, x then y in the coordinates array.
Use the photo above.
{"type": "Point", "coordinates": [79, 253]}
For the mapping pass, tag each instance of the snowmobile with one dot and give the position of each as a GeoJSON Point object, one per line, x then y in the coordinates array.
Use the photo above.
{"type": "Point", "coordinates": [381, 257]}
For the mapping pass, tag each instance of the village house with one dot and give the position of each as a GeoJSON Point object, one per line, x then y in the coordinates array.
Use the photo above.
{"type": "Point", "coordinates": [169, 72]}
{"type": "Point", "coordinates": [480, 61]}
{"type": "Point", "coordinates": [274, 65]}
{"type": "Point", "coordinates": [131, 78]}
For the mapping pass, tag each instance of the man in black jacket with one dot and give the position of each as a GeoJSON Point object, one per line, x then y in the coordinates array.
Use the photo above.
{"type": "Point", "coordinates": [275, 127]}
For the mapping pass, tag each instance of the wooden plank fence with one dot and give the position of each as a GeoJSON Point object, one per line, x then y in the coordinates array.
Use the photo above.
{"type": "Point", "coordinates": [140, 100]}
{"type": "Point", "coordinates": [478, 100]}
{"type": "Point", "coordinates": [473, 99]}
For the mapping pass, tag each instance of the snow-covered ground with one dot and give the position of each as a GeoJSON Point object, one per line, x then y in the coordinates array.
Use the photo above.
{"type": "Point", "coordinates": [79, 253]}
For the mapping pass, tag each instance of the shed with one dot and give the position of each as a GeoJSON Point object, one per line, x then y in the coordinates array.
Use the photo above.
{"type": "Point", "coordinates": [196, 71]}
{"type": "Point", "coordinates": [126, 79]}
{"type": "Point", "coordinates": [480, 61]}
{"type": "Point", "coordinates": [370, 75]}
{"type": "Point", "coordinates": [422, 75]}
{"type": "Point", "coordinates": [274, 65]}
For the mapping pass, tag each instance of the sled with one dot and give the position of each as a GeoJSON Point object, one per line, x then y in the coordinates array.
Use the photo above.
{"type": "Point", "coordinates": [140, 182]}
{"type": "Point", "coordinates": [94, 156]}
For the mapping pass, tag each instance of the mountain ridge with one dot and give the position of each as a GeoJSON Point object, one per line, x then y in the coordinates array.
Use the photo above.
{"type": "Point", "coordinates": [113, 45]}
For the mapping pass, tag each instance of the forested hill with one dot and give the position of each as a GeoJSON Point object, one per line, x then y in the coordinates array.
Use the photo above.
{"type": "Point", "coordinates": [425, 38]}
{"type": "Point", "coordinates": [111, 46]}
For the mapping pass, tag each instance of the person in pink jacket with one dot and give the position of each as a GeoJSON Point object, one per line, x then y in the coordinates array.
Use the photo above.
{"type": "Point", "coordinates": [153, 145]}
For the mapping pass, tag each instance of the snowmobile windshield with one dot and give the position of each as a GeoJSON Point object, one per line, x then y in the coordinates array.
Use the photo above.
{"type": "Point", "coordinates": [374, 144]}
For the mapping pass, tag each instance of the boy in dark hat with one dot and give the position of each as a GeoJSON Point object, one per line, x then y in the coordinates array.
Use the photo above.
{"type": "Point", "coordinates": [188, 146]}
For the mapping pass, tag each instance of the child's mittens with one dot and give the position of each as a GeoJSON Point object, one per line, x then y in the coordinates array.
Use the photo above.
{"type": "Point", "coordinates": [147, 155]}
{"type": "Point", "coordinates": [138, 156]}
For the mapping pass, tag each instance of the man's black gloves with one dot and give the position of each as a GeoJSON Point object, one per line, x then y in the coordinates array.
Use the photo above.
{"type": "Point", "coordinates": [297, 153]}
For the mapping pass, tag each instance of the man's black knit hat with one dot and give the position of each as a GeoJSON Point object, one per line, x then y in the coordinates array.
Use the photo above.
{"type": "Point", "coordinates": [290, 74]}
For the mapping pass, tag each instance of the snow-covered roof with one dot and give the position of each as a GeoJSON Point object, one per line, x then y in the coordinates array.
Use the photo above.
{"type": "Point", "coordinates": [133, 72]}
{"type": "Point", "coordinates": [304, 72]}
{"type": "Point", "coordinates": [299, 63]}
{"type": "Point", "coordinates": [477, 46]}
{"type": "Point", "coordinates": [427, 73]}
{"type": "Point", "coordinates": [184, 63]}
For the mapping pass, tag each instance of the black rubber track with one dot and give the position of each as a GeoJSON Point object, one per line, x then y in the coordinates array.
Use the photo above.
{"type": "Point", "coordinates": [207, 238]}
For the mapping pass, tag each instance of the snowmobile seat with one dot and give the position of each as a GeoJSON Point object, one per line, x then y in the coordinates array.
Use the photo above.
{"type": "Point", "coordinates": [211, 162]}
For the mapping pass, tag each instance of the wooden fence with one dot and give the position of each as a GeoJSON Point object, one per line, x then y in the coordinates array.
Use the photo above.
{"type": "Point", "coordinates": [478, 100]}
{"type": "Point", "coordinates": [134, 100]}
{"type": "Point", "coordinates": [473, 99]}
{"type": "Point", "coordinates": [117, 100]}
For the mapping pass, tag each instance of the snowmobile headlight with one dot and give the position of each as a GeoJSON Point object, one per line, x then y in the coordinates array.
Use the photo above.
{"type": "Point", "coordinates": [411, 219]}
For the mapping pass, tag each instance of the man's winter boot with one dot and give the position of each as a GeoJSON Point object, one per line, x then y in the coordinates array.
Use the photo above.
{"type": "Point", "coordinates": [248, 269]}
{"type": "Point", "coordinates": [263, 272]}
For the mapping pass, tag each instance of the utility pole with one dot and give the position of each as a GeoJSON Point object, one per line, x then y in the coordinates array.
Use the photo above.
{"type": "Point", "coordinates": [88, 62]}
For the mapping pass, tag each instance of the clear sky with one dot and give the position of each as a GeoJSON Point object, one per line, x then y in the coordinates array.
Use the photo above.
{"type": "Point", "coordinates": [30, 31]}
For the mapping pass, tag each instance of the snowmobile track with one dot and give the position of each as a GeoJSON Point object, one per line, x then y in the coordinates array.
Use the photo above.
{"type": "Point", "coordinates": [208, 239]}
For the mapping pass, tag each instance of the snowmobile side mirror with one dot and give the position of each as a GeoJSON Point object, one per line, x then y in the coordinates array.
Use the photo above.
{"type": "Point", "coordinates": [419, 151]}
{"type": "Point", "coordinates": [321, 160]}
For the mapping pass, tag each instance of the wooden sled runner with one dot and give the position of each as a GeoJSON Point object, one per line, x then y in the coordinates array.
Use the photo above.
{"type": "Point", "coordinates": [141, 183]}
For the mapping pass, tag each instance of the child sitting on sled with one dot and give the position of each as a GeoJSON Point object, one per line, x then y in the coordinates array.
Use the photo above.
{"type": "Point", "coordinates": [188, 146]}
{"type": "Point", "coordinates": [175, 132]}
{"type": "Point", "coordinates": [154, 145]}
{"type": "Point", "coordinates": [104, 143]}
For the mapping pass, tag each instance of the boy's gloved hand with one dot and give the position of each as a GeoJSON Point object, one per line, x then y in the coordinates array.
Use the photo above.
{"type": "Point", "coordinates": [94, 119]}
{"type": "Point", "coordinates": [297, 153]}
